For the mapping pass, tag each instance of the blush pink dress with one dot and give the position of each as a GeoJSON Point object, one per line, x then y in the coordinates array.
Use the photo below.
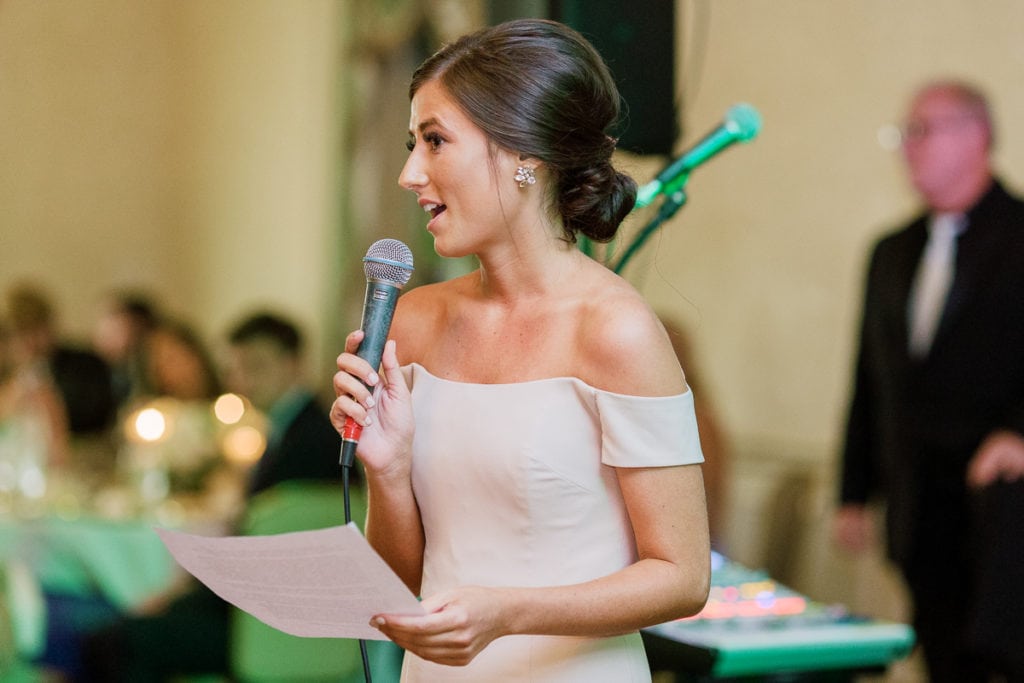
{"type": "Point", "coordinates": [516, 486]}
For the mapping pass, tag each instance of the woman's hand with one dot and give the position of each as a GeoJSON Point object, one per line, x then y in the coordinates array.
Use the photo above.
{"type": "Point", "coordinates": [458, 625]}
{"type": "Point", "coordinates": [385, 413]}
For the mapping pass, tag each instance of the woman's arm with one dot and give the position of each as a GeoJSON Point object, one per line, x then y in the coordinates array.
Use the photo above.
{"type": "Point", "coordinates": [670, 579]}
{"type": "Point", "coordinates": [393, 526]}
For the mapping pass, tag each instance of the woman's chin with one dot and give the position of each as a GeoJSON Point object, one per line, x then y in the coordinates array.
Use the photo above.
{"type": "Point", "coordinates": [446, 250]}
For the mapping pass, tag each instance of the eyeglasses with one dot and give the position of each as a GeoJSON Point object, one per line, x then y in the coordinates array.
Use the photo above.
{"type": "Point", "coordinates": [915, 131]}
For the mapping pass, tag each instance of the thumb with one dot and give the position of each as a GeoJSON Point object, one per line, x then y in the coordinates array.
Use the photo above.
{"type": "Point", "coordinates": [389, 366]}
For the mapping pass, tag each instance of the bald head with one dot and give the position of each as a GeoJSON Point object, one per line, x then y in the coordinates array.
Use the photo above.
{"type": "Point", "coordinates": [947, 145]}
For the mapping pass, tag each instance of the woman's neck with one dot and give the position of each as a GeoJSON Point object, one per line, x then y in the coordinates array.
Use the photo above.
{"type": "Point", "coordinates": [527, 273]}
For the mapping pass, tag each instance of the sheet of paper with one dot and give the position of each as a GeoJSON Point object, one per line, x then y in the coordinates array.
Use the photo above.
{"type": "Point", "coordinates": [326, 583]}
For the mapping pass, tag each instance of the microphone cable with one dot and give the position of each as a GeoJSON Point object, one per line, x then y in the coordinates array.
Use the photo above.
{"type": "Point", "coordinates": [348, 518]}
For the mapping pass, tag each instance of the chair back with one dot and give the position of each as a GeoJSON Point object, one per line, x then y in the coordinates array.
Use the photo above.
{"type": "Point", "coordinates": [261, 653]}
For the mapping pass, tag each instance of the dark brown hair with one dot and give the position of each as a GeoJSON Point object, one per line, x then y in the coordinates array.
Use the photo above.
{"type": "Point", "coordinates": [538, 88]}
{"type": "Point", "coordinates": [267, 325]}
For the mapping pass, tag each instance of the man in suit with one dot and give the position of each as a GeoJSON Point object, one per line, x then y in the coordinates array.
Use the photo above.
{"type": "Point", "coordinates": [188, 633]}
{"type": "Point", "coordinates": [936, 420]}
{"type": "Point", "coordinates": [266, 366]}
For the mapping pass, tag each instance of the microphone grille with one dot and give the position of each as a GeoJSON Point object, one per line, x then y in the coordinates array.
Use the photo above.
{"type": "Point", "coordinates": [388, 260]}
{"type": "Point", "coordinates": [743, 121]}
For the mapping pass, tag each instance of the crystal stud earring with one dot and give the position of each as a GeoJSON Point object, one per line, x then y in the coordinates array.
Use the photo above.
{"type": "Point", "coordinates": [525, 176]}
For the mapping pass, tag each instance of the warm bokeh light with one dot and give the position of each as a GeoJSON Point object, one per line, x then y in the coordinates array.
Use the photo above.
{"type": "Point", "coordinates": [150, 424]}
{"type": "Point", "coordinates": [229, 408]}
{"type": "Point", "coordinates": [32, 483]}
{"type": "Point", "coordinates": [243, 445]}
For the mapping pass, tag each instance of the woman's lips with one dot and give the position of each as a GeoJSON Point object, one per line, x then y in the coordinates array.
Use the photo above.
{"type": "Point", "coordinates": [434, 209]}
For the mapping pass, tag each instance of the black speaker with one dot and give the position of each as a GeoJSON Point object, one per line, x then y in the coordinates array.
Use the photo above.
{"type": "Point", "coordinates": [637, 40]}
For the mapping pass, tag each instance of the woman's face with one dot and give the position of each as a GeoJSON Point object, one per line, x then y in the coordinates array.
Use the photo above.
{"type": "Point", "coordinates": [470, 196]}
{"type": "Point", "coordinates": [176, 368]}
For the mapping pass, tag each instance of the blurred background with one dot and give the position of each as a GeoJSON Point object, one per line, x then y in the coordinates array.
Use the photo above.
{"type": "Point", "coordinates": [230, 155]}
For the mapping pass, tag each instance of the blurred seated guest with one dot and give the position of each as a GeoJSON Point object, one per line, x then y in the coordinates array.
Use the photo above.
{"type": "Point", "coordinates": [33, 424]}
{"type": "Point", "coordinates": [60, 409]}
{"type": "Point", "coordinates": [187, 633]}
{"type": "Point", "coordinates": [181, 381]}
{"type": "Point", "coordinates": [119, 337]}
{"type": "Point", "coordinates": [266, 366]}
{"type": "Point", "coordinates": [81, 377]}
{"type": "Point", "coordinates": [713, 441]}
{"type": "Point", "coordinates": [178, 364]}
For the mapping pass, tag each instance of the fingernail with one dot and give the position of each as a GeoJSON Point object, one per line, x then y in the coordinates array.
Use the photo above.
{"type": "Point", "coordinates": [373, 378]}
{"type": "Point", "coordinates": [369, 402]}
{"type": "Point", "coordinates": [377, 622]}
{"type": "Point", "coordinates": [368, 421]}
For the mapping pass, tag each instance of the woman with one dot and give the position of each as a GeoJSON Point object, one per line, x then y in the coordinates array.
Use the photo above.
{"type": "Point", "coordinates": [528, 471]}
{"type": "Point", "coordinates": [178, 364]}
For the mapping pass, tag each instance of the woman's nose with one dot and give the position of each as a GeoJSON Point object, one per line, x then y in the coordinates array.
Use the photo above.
{"type": "Point", "coordinates": [412, 175]}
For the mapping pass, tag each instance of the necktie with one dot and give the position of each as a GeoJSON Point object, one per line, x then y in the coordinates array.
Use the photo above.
{"type": "Point", "coordinates": [931, 284]}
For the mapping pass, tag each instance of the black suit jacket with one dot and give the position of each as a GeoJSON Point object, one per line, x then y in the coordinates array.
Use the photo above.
{"type": "Point", "coordinates": [85, 384]}
{"type": "Point", "coordinates": [914, 424]}
{"type": "Point", "coordinates": [308, 449]}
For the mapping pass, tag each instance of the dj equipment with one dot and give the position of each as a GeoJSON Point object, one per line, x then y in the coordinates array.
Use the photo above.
{"type": "Point", "coordinates": [754, 626]}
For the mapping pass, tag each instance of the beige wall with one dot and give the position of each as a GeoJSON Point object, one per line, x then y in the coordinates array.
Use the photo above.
{"type": "Point", "coordinates": [86, 141]}
{"type": "Point", "coordinates": [187, 147]}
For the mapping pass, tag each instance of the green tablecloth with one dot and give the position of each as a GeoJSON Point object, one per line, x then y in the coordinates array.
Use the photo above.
{"type": "Point", "coordinates": [124, 561]}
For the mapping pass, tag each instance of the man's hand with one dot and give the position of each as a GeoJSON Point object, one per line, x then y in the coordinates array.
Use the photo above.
{"type": "Point", "coordinates": [853, 528]}
{"type": "Point", "coordinates": [1000, 456]}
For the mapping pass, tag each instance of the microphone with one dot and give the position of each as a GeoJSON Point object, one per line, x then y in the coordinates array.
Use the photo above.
{"type": "Point", "coordinates": [741, 123]}
{"type": "Point", "coordinates": [388, 267]}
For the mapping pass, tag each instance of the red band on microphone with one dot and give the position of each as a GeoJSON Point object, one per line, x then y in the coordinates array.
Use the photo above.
{"type": "Point", "coordinates": [351, 431]}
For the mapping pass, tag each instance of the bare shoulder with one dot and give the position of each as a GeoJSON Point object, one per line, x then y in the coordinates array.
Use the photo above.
{"type": "Point", "coordinates": [623, 346]}
{"type": "Point", "coordinates": [421, 316]}
{"type": "Point", "coordinates": [415, 319]}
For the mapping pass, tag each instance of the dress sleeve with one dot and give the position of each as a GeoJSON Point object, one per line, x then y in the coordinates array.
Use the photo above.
{"type": "Point", "coordinates": [638, 431]}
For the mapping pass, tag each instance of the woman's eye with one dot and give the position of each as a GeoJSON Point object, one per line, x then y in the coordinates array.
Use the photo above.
{"type": "Point", "coordinates": [434, 140]}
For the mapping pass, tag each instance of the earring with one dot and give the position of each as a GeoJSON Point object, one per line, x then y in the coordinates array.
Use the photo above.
{"type": "Point", "coordinates": [525, 176]}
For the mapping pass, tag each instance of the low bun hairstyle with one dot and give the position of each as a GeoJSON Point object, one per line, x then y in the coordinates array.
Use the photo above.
{"type": "Point", "coordinates": [538, 88]}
